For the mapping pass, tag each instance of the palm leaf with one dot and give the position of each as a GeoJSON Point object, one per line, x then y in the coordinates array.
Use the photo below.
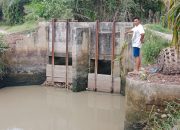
{"type": "Point", "coordinates": [174, 21]}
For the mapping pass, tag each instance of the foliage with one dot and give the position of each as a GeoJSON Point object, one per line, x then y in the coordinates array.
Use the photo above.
{"type": "Point", "coordinates": [129, 8]}
{"type": "Point", "coordinates": [164, 21]}
{"type": "Point", "coordinates": [174, 21]}
{"type": "Point", "coordinates": [34, 11]}
{"type": "Point", "coordinates": [164, 119]}
{"type": "Point", "coordinates": [152, 47]}
{"type": "Point", "coordinates": [107, 10]}
{"type": "Point", "coordinates": [3, 48]}
{"type": "Point", "coordinates": [3, 45]}
{"type": "Point", "coordinates": [146, 5]}
{"type": "Point", "coordinates": [48, 9]}
{"type": "Point", "coordinates": [159, 28]}
{"type": "Point", "coordinates": [82, 10]}
{"type": "Point", "coordinates": [13, 11]}
{"type": "Point", "coordinates": [123, 68]}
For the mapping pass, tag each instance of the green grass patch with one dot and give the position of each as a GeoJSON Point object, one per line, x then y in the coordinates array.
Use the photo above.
{"type": "Point", "coordinates": [159, 28]}
{"type": "Point", "coordinates": [31, 25]}
{"type": "Point", "coordinates": [164, 119]}
{"type": "Point", "coordinates": [152, 47]}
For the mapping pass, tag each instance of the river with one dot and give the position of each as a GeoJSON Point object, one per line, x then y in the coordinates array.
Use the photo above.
{"type": "Point", "coordinates": [47, 108]}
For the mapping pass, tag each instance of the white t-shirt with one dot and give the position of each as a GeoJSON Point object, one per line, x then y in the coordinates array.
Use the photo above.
{"type": "Point", "coordinates": [137, 31]}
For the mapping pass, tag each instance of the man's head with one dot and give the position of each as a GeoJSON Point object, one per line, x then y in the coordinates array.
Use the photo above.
{"type": "Point", "coordinates": [136, 21]}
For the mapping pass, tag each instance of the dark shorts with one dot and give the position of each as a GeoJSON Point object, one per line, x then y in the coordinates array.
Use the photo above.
{"type": "Point", "coordinates": [136, 51]}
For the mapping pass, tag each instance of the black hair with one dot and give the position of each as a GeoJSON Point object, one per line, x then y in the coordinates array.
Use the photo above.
{"type": "Point", "coordinates": [136, 18]}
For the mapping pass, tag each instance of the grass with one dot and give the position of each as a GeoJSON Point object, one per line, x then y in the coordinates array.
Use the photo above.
{"type": "Point", "coordinates": [18, 28]}
{"type": "Point", "coordinates": [152, 47]}
{"type": "Point", "coordinates": [165, 118]}
{"type": "Point", "coordinates": [159, 28]}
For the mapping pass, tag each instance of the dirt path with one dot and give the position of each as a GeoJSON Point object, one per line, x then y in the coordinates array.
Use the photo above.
{"type": "Point", "coordinates": [163, 35]}
{"type": "Point", "coordinates": [3, 32]}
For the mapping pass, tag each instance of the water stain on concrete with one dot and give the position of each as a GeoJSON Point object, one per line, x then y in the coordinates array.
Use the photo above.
{"type": "Point", "coordinates": [41, 108]}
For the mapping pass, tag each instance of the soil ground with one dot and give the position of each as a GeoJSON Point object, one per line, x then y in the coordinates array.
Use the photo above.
{"type": "Point", "coordinates": [156, 77]}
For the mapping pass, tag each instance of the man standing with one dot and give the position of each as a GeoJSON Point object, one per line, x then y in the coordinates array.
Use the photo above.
{"type": "Point", "coordinates": [137, 40]}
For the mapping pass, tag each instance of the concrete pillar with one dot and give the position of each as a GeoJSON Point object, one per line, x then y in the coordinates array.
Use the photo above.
{"type": "Point", "coordinates": [80, 59]}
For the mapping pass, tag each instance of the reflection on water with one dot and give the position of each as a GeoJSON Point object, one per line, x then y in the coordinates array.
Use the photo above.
{"type": "Point", "coordinates": [14, 129]}
{"type": "Point", "coordinates": [41, 108]}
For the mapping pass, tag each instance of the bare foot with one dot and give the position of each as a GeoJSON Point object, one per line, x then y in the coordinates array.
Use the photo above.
{"type": "Point", "coordinates": [134, 72]}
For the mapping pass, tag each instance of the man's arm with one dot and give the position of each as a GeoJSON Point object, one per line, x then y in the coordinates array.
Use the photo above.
{"type": "Point", "coordinates": [142, 33]}
{"type": "Point", "coordinates": [142, 37]}
{"type": "Point", "coordinates": [129, 31]}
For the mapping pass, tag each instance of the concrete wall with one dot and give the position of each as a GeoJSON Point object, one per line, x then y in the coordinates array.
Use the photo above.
{"type": "Point", "coordinates": [28, 53]}
{"type": "Point", "coordinates": [26, 59]}
{"type": "Point", "coordinates": [141, 96]}
{"type": "Point", "coordinates": [105, 45]}
{"type": "Point", "coordinates": [105, 37]}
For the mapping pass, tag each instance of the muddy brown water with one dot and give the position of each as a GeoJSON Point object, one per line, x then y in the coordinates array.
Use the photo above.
{"type": "Point", "coordinates": [42, 108]}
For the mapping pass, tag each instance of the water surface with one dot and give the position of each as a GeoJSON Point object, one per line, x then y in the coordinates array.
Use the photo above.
{"type": "Point", "coordinates": [42, 108]}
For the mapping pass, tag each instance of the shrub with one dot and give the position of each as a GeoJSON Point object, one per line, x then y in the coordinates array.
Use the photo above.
{"type": "Point", "coordinates": [34, 10]}
{"type": "Point", "coordinates": [152, 47]}
{"type": "Point", "coordinates": [48, 9]}
{"type": "Point", "coordinates": [12, 11]}
{"type": "Point", "coordinates": [3, 48]}
{"type": "Point", "coordinates": [159, 28]}
{"type": "Point", "coordinates": [164, 119]}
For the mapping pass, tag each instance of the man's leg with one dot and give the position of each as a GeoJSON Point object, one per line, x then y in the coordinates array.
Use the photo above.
{"type": "Point", "coordinates": [136, 53]}
{"type": "Point", "coordinates": [137, 63]}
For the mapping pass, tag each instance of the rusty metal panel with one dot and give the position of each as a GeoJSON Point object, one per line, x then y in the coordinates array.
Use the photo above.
{"type": "Point", "coordinates": [97, 52]}
{"type": "Point", "coordinates": [67, 52]}
{"type": "Point", "coordinates": [113, 54]}
{"type": "Point", "coordinates": [53, 42]}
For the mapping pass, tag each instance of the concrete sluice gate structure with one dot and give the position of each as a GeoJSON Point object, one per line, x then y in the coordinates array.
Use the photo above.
{"type": "Point", "coordinates": [84, 54]}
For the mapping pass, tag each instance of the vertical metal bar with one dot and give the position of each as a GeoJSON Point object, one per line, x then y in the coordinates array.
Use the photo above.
{"type": "Point", "coordinates": [96, 53]}
{"type": "Point", "coordinates": [67, 52]}
{"type": "Point", "coordinates": [53, 42]}
{"type": "Point", "coordinates": [113, 54]}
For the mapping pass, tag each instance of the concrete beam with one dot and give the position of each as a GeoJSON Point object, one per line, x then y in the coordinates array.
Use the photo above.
{"type": "Point", "coordinates": [80, 59]}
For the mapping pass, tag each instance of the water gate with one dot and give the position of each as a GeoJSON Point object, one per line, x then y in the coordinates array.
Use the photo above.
{"type": "Point", "coordinates": [83, 54]}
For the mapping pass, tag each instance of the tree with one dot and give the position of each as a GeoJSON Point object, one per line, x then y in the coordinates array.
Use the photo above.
{"type": "Point", "coordinates": [174, 21]}
{"type": "Point", "coordinates": [169, 59]}
{"type": "Point", "coordinates": [13, 11]}
{"type": "Point", "coordinates": [105, 10]}
{"type": "Point", "coordinates": [48, 9]}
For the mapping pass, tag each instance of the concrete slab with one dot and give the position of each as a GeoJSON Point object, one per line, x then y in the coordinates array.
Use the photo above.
{"type": "Point", "coordinates": [104, 83]}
